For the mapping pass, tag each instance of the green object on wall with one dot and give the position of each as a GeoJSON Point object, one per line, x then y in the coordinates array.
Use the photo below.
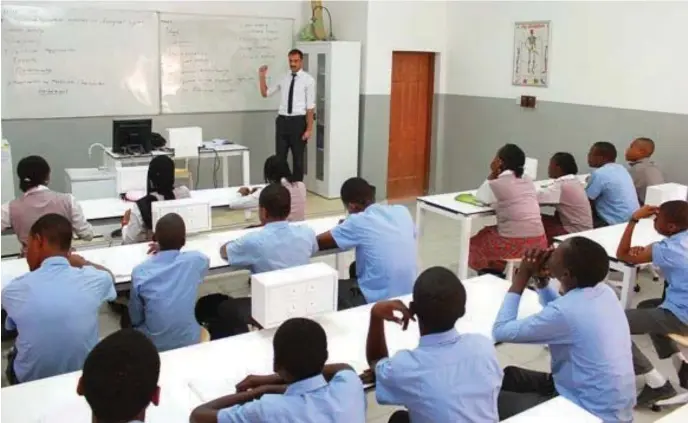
{"type": "Point", "coordinates": [306, 33]}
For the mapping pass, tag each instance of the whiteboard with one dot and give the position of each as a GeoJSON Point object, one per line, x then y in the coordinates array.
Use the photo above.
{"type": "Point", "coordinates": [210, 64]}
{"type": "Point", "coordinates": [59, 62]}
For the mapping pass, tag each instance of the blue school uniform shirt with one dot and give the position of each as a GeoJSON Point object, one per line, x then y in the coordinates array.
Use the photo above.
{"type": "Point", "coordinates": [385, 241]}
{"type": "Point", "coordinates": [311, 400]}
{"type": "Point", "coordinates": [55, 309]}
{"type": "Point", "coordinates": [278, 245]}
{"type": "Point", "coordinates": [163, 296]}
{"type": "Point", "coordinates": [590, 344]}
{"type": "Point", "coordinates": [449, 378]}
{"type": "Point", "coordinates": [671, 256]}
{"type": "Point", "coordinates": [611, 188]}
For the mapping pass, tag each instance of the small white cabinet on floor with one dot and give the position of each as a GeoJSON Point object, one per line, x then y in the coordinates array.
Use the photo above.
{"type": "Point", "coordinates": [332, 151]}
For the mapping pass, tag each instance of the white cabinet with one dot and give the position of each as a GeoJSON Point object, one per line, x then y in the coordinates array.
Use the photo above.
{"type": "Point", "coordinates": [332, 151]}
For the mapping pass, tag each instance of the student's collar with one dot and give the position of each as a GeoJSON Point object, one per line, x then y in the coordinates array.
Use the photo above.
{"type": "Point", "coordinates": [276, 224]}
{"type": "Point", "coordinates": [641, 161]}
{"type": "Point", "coordinates": [55, 261]}
{"type": "Point", "coordinates": [566, 177]}
{"type": "Point", "coordinates": [37, 188]}
{"type": "Point", "coordinates": [506, 172]}
{"type": "Point", "coordinates": [306, 385]}
{"type": "Point", "coordinates": [438, 338]}
{"type": "Point", "coordinates": [166, 255]}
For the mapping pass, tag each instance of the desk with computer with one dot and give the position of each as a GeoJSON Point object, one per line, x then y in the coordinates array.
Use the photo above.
{"type": "Point", "coordinates": [135, 144]}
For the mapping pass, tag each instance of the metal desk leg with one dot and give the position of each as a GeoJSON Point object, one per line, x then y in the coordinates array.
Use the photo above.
{"type": "Point", "coordinates": [464, 245]}
{"type": "Point", "coordinates": [629, 278]}
{"type": "Point", "coordinates": [246, 167]}
{"type": "Point", "coordinates": [225, 171]}
{"type": "Point", "coordinates": [419, 221]}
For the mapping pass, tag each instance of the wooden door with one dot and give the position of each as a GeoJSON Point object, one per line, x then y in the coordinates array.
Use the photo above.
{"type": "Point", "coordinates": [410, 124]}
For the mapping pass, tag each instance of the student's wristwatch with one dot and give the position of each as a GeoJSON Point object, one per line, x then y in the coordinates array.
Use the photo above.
{"type": "Point", "coordinates": [634, 220]}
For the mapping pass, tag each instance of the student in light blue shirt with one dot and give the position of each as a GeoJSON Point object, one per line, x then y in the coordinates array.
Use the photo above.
{"type": "Point", "coordinates": [450, 377]}
{"type": "Point", "coordinates": [669, 314]}
{"type": "Point", "coordinates": [585, 328]}
{"type": "Point", "coordinates": [302, 390]}
{"type": "Point", "coordinates": [55, 306]}
{"type": "Point", "coordinates": [164, 288]}
{"type": "Point", "coordinates": [610, 187]}
{"type": "Point", "coordinates": [385, 241]}
{"type": "Point", "coordinates": [279, 244]}
{"type": "Point", "coordinates": [120, 378]}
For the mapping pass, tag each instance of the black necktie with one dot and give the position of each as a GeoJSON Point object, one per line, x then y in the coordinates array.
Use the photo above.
{"type": "Point", "coordinates": [290, 101]}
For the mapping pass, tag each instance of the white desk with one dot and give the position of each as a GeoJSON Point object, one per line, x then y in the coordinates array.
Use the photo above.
{"type": "Point", "coordinates": [609, 237]}
{"type": "Point", "coordinates": [558, 410]}
{"type": "Point", "coordinates": [678, 416]}
{"type": "Point", "coordinates": [122, 259]}
{"type": "Point", "coordinates": [112, 160]}
{"type": "Point", "coordinates": [446, 205]}
{"type": "Point", "coordinates": [105, 214]}
{"type": "Point", "coordinates": [191, 375]}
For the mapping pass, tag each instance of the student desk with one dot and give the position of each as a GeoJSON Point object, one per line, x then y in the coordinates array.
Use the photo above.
{"type": "Point", "coordinates": [557, 409]}
{"type": "Point", "coordinates": [192, 375]}
{"type": "Point", "coordinates": [609, 237]}
{"type": "Point", "coordinates": [446, 205]}
{"type": "Point", "coordinates": [122, 259]}
{"type": "Point", "coordinates": [105, 214]}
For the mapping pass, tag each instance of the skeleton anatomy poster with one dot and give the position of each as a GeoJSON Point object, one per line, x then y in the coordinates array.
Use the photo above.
{"type": "Point", "coordinates": [531, 53]}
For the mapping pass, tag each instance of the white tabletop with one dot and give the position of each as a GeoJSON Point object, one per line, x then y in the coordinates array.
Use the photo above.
{"type": "Point", "coordinates": [113, 208]}
{"type": "Point", "coordinates": [448, 201]}
{"type": "Point", "coordinates": [223, 148]}
{"type": "Point", "coordinates": [190, 376]}
{"type": "Point", "coordinates": [89, 174]}
{"type": "Point", "coordinates": [559, 410]}
{"type": "Point", "coordinates": [122, 259]}
{"type": "Point", "coordinates": [610, 236]}
{"type": "Point", "coordinates": [678, 416]}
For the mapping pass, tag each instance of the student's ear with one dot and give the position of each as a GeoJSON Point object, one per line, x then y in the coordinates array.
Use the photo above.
{"type": "Point", "coordinates": [80, 387]}
{"type": "Point", "coordinates": [156, 396]}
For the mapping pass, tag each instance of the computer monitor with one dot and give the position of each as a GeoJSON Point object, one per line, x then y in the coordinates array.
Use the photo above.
{"type": "Point", "coordinates": [132, 136]}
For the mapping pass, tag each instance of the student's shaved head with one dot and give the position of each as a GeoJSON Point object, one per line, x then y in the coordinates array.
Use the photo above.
{"type": "Point", "coordinates": [170, 232]}
{"type": "Point", "coordinates": [676, 213]}
{"type": "Point", "coordinates": [439, 299]}
{"type": "Point", "coordinates": [646, 144]}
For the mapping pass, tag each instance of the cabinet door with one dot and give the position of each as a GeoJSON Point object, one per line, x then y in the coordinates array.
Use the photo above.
{"type": "Point", "coordinates": [320, 94]}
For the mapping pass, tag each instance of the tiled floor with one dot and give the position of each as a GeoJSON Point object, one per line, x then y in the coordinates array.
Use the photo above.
{"type": "Point", "coordinates": [438, 246]}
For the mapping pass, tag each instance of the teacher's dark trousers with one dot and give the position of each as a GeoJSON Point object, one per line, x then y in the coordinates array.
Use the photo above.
{"type": "Point", "coordinates": [288, 133]}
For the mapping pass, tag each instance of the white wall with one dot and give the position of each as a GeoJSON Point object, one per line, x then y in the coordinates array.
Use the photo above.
{"type": "Point", "coordinates": [403, 26]}
{"type": "Point", "coordinates": [630, 55]}
{"type": "Point", "coordinates": [350, 23]}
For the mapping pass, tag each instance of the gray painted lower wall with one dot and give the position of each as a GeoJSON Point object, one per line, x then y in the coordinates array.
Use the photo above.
{"type": "Point", "coordinates": [64, 142]}
{"type": "Point", "coordinates": [475, 127]}
{"type": "Point", "coordinates": [466, 132]}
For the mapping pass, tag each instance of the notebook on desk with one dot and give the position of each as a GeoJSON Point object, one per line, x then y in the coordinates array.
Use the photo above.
{"type": "Point", "coordinates": [468, 199]}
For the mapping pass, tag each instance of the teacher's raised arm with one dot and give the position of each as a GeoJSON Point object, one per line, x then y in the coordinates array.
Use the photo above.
{"type": "Point", "coordinates": [294, 123]}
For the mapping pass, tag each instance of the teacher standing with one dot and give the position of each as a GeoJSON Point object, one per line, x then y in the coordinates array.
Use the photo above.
{"type": "Point", "coordinates": [295, 119]}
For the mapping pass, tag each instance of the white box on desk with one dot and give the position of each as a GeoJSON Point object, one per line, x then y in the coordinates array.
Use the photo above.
{"type": "Point", "coordinates": [530, 168]}
{"type": "Point", "coordinates": [131, 178]}
{"type": "Point", "coordinates": [197, 214]}
{"type": "Point", "coordinates": [185, 141]}
{"type": "Point", "coordinates": [302, 291]}
{"type": "Point", "coordinates": [658, 194]}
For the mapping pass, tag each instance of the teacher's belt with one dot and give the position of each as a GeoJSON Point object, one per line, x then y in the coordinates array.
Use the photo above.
{"type": "Point", "coordinates": [292, 116]}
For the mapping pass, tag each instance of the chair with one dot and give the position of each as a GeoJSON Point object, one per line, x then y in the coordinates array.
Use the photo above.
{"type": "Point", "coordinates": [682, 343]}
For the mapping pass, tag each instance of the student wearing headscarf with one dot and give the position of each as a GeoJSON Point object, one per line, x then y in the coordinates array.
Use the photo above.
{"type": "Point", "coordinates": [137, 223]}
